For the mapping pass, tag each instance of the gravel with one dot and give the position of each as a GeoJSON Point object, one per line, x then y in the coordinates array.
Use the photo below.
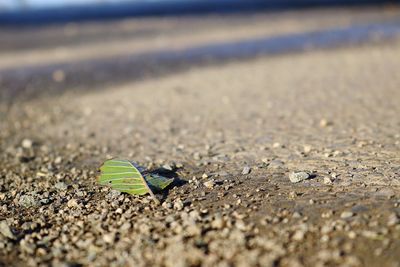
{"type": "Point", "coordinates": [59, 216]}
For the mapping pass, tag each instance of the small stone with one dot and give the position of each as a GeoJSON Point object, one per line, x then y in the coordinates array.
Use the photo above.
{"type": "Point", "coordinates": [328, 180]}
{"type": "Point", "coordinates": [72, 203]}
{"type": "Point", "coordinates": [26, 143]}
{"type": "Point", "coordinates": [61, 186]}
{"type": "Point", "coordinates": [209, 184]}
{"type": "Point", "coordinates": [239, 224]}
{"type": "Point", "coordinates": [307, 149]}
{"type": "Point", "coordinates": [276, 145]}
{"type": "Point", "coordinates": [346, 214]}
{"type": "Point", "coordinates": [276, 163]}
{"type": "Point", "coordinates": [246, 170]}
{"type": "Point", "coordinates": [125, 227]}
{"type": "Point", "coordinates": [27, 201]}
{"type": "Point", "coordinates": [204, 176]}
{"type": "Point", "coordinates": [44, 201]}
{"type": "Point", "coordinates": [218, 222]}
{"type": "Point", "coordinates": [166, 205]}
{"type": "Point", "coordinates": [176, 227]}
{"type": "Point", "coordinates": [27, 247]}
{"type": "Point", "coordinates": [296, 215]}
{"type": "Point", "coordinates": [296, 177]}
{"type": "Point", "coordinates": [5, 230]}
{"type": "Point", "coordinates": [58, 160]}
{"type": "Point", "coordinates": [109, 238]}
{"type": "Point", "coordinates": [238, 237]}
{"type": "Point", "coordinates": [114, 194]}
{"type": "Point", "coordinates": [324, 123]}
{"type": "Point", "coordinates": [370, 234]}
{"type": "Point", "coordinates": [393, 220]}
{"type": "Point", "coordinates": [192, 230]}
{"type": "Point", "coordinates": [167, 167]}
{"type": "Point", "coordinates": [299, 235]}
{"type": "Point", "coordinates": [178, 204]}
{"type": "Point", "coordinates": [352, 235]}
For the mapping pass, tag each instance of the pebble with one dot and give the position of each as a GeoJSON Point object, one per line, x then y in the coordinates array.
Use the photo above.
{"type": "Point", "coordinates": [296, 215]}
{"type": "Point", "coordinates": [109, 238]}
{"type": "Point", "coordinates": [296, 177]}
{"type": "Point", "coordinates": [209, 184]}
{"type": "Point", "coordinates": [217, 223]}
{"type": "Point", "coordinates": [58, 160]}
{"type": "Point", "coordinates": [346, 214]}
{"type": "Point", "coordinates": [307, 149]}
{"type": "Point", "coordinates": [299, 235]}
{"type": "Point", "coordinates": [324, 123]}
{"type": "Point", "coordinates": [27, 201]}
{"type": "Point", "coordinates": [276, 145]}
{"type": "Point", "coordinates": [246, 170]}
{"type": "Point", "coordinates": [167, 167]}
{"type": "Point", "coordinates": [166, 205]}
{"type": "Point", "coordinates": [193, 230]}
{"type": "Point", "coordinates": [352, 235]}
{"type": "Point", "coordinates": [276, 163]}
{"type": "Point", "coordinates": [72, 203]}
{"type": "Point", "coordinates": [113, 194]}
{"type": "Point", "coordinates": [240, 224]}
{"type": "Point", "coordinates": [61, 186]}
{"type": "Point", "coordinates": [393, 220]}
{"type": "Point", "coordinates": [178, 204]}
{"type": "Point", "coordinates": [27, 143]}
{"type": "Point", "coordinates": [27, 247]}
{"type": "Point", "coordinates": [328, 180]}
{"type": "Point", "coordinates": [5, 230]}
{"type": "Point", "coordinates": [125, 227]}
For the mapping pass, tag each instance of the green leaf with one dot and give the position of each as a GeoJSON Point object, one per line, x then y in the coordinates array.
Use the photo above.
{"type": "Point", "coordinates": [123, 176]}
{"type": "Point", "coordinates": [157, 181]}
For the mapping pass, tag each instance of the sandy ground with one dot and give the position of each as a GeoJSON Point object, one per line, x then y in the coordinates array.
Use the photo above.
{"type": "Point", "coordinates": [232, 133]}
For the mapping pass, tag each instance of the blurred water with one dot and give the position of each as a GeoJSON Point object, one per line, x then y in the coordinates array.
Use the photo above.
{"type": "Point", "coordinates": [15, 5]}
{"type": "Point", "coordinates": [44, 11]}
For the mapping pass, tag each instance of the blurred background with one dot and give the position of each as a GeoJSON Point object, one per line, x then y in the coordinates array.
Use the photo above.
{"type": "Point", "coordinates": [49, 46]}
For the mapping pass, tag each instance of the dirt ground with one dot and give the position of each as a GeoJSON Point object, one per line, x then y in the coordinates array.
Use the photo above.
{"type": "Point", "coordinates": [232, 134]}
